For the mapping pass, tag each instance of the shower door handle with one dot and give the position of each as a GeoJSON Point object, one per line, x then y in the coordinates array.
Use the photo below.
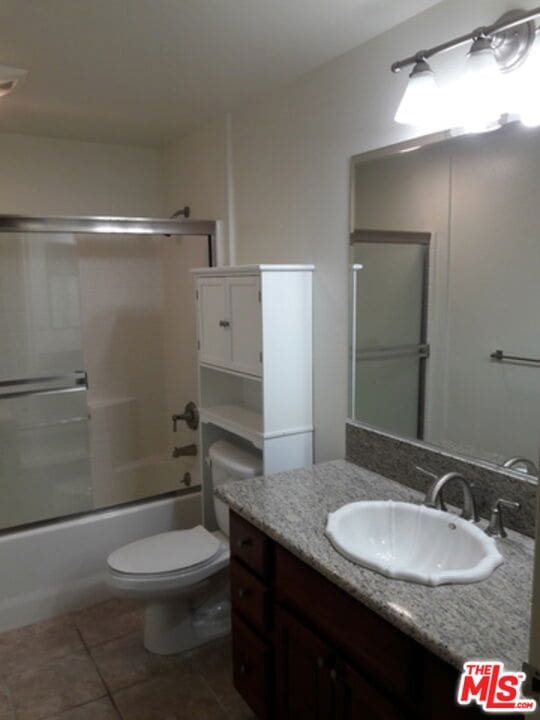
{"type": "Point", "coordinates": [79, 378]}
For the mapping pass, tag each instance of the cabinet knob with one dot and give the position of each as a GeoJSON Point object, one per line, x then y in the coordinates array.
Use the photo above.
{"type": "Point", "coordinates": [333, 675]}
{"type": "Point", "coordinates": [243, 669]}
{"type": "Point", "coordinates": [320, 662]}
{"type": "Point", "coordinates": [244, 543]}
{"type": "Point", "coordinates": [242, 593]}
{"type": "Point", "coordinates": [224, 323]}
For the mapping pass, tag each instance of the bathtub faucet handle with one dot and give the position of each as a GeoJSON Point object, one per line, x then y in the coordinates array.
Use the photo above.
{"type": "Point", "coordinates": [190, 416]}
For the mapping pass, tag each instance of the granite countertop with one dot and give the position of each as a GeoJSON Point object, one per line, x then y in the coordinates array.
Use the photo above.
{"type": "Point", "coordinates": [486, 620]}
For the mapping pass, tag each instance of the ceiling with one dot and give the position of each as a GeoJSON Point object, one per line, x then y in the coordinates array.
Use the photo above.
{"type": "Point", "coordinates": [145, 71]}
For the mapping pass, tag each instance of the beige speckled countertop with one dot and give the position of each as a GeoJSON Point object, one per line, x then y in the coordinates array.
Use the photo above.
{"type": "Point", "coordinates": [487, 620]}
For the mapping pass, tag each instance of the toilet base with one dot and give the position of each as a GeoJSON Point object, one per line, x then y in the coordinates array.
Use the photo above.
{"type": "Point", "coordinates": [172, 626]}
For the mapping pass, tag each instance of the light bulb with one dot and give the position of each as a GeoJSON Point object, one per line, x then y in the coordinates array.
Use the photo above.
{"type": "Point", "coordinates": [522, 96]}
{"type": "Point", "coordinates": [421, 103]}
{"type": "Point", "coordinates": [478, 95]}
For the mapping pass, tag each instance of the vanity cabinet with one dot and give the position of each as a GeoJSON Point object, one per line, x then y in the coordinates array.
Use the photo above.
{"type": "Point", "coordinates": [303, 649]}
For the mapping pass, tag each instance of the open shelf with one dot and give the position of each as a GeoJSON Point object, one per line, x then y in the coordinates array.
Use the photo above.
{"type": "Point", "coordinates": [237, 419]}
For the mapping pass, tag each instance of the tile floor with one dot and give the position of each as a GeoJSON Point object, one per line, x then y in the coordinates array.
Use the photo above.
{"type": "Point", "coordinates": [91, 665]}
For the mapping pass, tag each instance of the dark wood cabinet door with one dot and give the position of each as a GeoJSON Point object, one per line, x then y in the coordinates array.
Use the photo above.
{"type": "Point", "coordinates": [253, 669]}
{"type": "Point", "coordinates": [305, 666]}
{"type": "Point", "coordinates": [251, 546]}
{"type": "Point", "coordinates": [356, 699]}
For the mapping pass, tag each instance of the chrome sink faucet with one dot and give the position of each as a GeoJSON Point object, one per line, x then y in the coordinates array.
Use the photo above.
{"type": "Point", "coordinates": [434, 495]}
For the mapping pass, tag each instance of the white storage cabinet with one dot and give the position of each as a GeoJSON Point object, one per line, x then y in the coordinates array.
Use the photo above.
{"type": "Point", "coordinates": [254, 326]}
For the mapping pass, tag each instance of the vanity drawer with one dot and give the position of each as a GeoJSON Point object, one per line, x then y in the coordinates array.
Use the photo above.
{"type": "Point", "coordinates": [372, 644]}
{"type": "Point", "coordinates": [251, 546]}
{"type": "Point", "coordinates": [252, 669]}
{"type": "Point", "coordinates": [250, 598]}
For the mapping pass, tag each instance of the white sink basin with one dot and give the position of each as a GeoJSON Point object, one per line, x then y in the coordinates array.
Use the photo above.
{"type": "Point", "coordinates": [413, 542]}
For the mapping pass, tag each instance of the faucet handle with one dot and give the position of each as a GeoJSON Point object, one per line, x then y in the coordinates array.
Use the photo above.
{"type": "Point", "coordinates": [496, 527]}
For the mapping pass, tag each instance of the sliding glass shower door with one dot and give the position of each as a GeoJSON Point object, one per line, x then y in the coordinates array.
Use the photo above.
{"type": "Point", "coordinates": [44, 447]}
{"type": "Point", "coordinates": [97, 352]}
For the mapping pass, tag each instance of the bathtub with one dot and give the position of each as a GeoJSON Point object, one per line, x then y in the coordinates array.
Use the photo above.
{"type": "Point", "coordinates": [60, 566]}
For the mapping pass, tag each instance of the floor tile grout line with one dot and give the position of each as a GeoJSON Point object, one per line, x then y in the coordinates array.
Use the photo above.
{"type": "Point", "coordinates": [100, 675]}
{"type": "Point", "coordinates": [6, 678]}
{"type": "Point", "coordinates": [102, 642]}
{"type": "Point", "coordinates": [74, 707]}
{"type": "Point", "coordinates": [129, 685]}
{"type": "Point", "coordinates": [214, 693]}
{"type": "Point", "coordinates": [85, 648]}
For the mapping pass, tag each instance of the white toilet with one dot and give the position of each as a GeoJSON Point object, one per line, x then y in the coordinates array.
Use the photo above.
{"type": "Point", "coordinates": [182, 575]}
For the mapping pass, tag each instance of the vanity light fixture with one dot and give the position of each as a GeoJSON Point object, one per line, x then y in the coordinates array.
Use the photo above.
{"type": "Point", "coordinates": [420, 104]}
{"type": "Point", "coordinates": [9, 78]}
{"type": "Point", "coordinates": [499, 81]}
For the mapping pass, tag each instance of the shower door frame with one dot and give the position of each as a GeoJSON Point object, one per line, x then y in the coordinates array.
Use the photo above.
{"type": "Point", "coordinates": [105, 225]}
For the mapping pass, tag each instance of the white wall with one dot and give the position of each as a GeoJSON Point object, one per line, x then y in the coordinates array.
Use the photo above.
{"type": "Point", "coordinates": [291, 150]}
{"type": "Point", "coordinates": [196, 173]}
{"type": "Point", "coordinates": [45, 176]}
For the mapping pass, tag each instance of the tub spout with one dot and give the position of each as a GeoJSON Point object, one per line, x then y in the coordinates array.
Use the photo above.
{"type": "Point", "coordinates": [184, 450]}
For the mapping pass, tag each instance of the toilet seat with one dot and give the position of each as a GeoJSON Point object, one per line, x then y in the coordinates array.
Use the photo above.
{"type": "Point", "coordinates": [185, 575]}
{"type": "Point", "coordinates": [165, 553]}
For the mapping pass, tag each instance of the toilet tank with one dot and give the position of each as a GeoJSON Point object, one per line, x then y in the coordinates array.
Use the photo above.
{"type": "Point", "coordinates": [228, 463]}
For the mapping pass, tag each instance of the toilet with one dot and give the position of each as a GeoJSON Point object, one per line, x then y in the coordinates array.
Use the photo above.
{"type": "Point", "coordinates": [182, 575]}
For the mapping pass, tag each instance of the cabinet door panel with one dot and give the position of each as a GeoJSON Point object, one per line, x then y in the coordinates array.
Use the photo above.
{"type": "Point", "coordinates": [252, 669]}
{"type": "Point", "coordinates": [214, 337]}
{"type": "Point", "coordinates": [250, 598]}
{"type": "Point", "coordinates": [304, 664]}
{"type": "Point", "coordinates": [246, 320]}
{"type": "Point", "coordinates": [358, 700]}
{"type": "Point", "coordinates": [251, 546]}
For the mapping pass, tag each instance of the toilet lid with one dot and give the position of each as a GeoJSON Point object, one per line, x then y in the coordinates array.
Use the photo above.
{"type": "Point", "coordinates": [166, 552]}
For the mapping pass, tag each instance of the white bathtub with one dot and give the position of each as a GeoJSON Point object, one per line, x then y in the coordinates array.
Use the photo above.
{"type": "Point", "coordinates": [48, 570]}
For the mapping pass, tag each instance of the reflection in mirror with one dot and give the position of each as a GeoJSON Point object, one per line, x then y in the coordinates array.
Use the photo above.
{"type": "Point", "coordinates": [389, 294]}
{"type": "Point", "coordinates": [445, 298]}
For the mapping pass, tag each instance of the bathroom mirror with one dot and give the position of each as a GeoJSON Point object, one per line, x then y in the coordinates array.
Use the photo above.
{"type": "Point", "coordinates": [445, 293]}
